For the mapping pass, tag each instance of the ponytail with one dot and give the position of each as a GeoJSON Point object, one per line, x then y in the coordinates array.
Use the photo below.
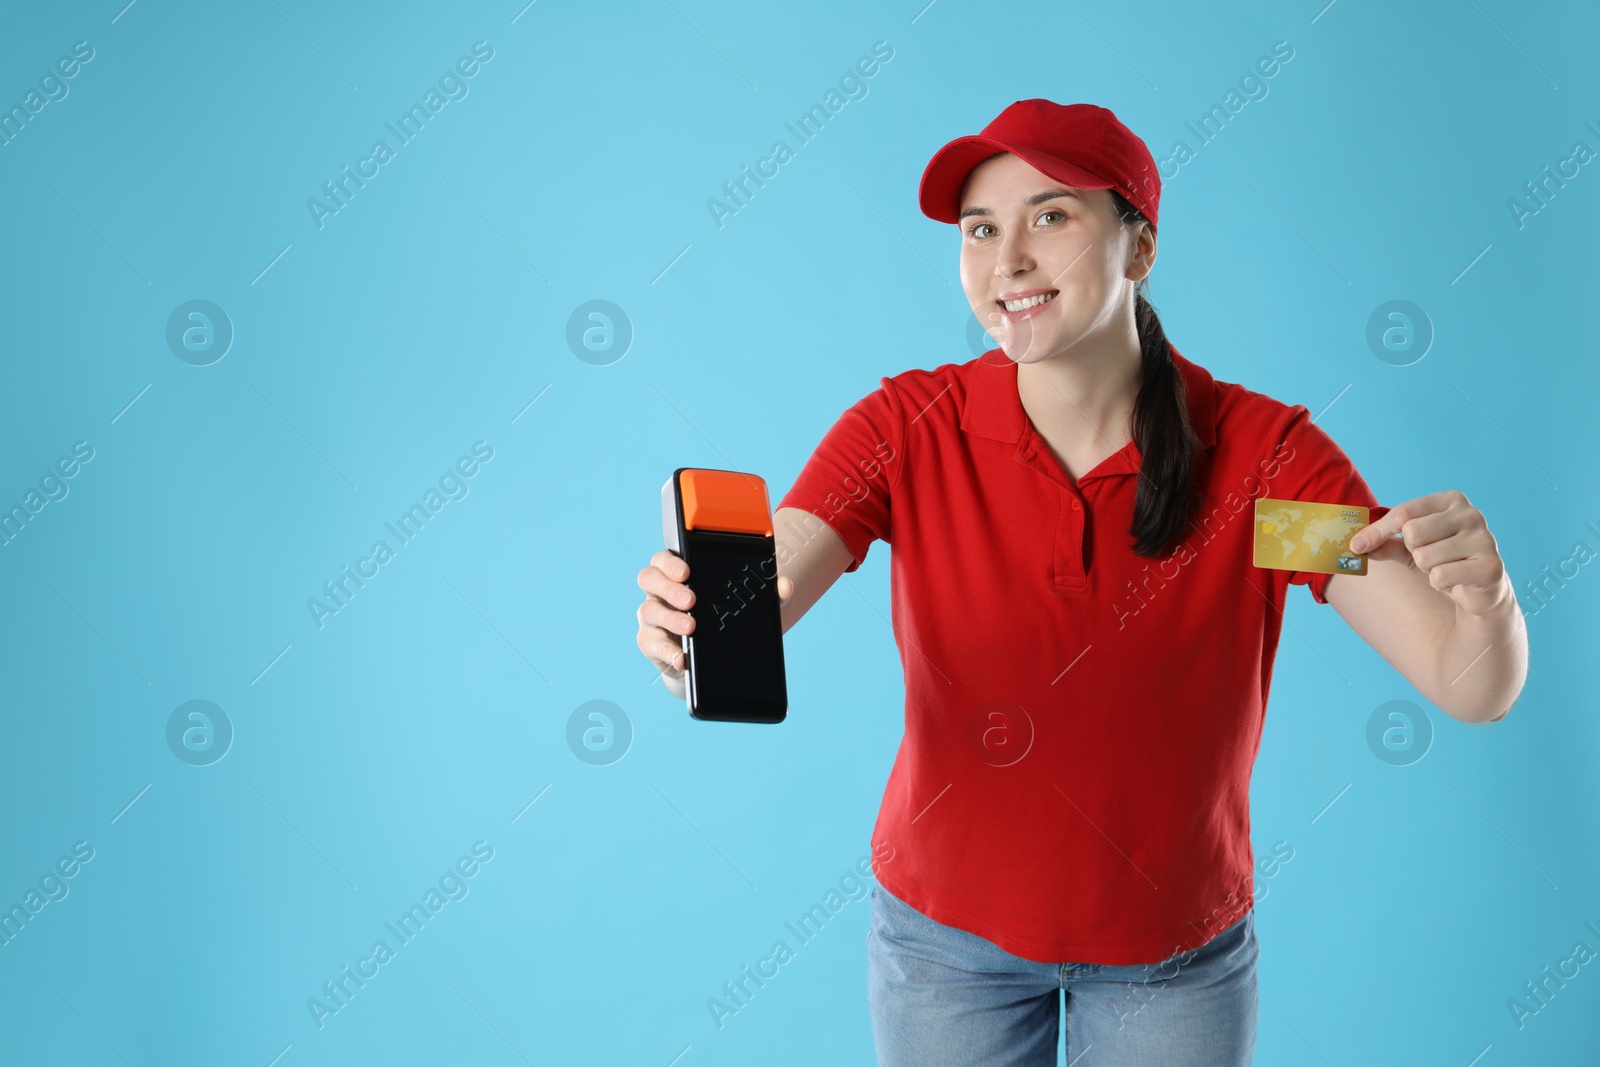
{"type": "Point", "coordinates": [1168, 481]}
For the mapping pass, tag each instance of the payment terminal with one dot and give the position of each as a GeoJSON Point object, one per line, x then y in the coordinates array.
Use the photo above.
{"type": "Point", "coordinates": [720, 523]}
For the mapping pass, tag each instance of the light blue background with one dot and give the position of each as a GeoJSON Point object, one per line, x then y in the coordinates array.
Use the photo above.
{"type": "Point", "coordinates": [431, 310]}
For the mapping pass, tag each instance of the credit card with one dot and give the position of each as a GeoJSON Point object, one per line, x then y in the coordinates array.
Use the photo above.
{"type": "Point", "coordinates": [1304, 535]}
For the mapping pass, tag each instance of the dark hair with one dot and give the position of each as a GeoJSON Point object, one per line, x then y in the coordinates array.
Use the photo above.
{"type": "Point", "coordinates": [1168, 477]}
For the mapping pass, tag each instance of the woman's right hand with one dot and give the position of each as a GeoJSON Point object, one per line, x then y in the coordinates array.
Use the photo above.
{"type": "Point", "coordinates": [664, 616]}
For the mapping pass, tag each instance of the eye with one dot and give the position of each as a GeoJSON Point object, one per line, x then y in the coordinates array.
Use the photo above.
{"type": "Point", "coordinates": [972, 231]}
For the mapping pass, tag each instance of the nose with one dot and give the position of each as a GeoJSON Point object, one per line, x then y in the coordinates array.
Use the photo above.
{"type": "Point", "coordinates": [1013, 257]}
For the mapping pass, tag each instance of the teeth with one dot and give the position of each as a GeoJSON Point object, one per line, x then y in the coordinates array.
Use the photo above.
{"type": "Point", "coordinates": [1032, 301]}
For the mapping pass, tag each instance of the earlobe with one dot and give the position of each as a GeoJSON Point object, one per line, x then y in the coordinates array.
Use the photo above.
{"type": "Point", "coordinates": [1148, 261]}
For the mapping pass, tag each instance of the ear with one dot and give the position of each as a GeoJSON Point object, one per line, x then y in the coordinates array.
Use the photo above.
{"type": "Point", "coordinates": [1142, 256]}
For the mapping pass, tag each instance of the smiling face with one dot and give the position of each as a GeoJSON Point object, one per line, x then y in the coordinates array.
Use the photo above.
{"type": "Point", "coordinates": [1026, 236]}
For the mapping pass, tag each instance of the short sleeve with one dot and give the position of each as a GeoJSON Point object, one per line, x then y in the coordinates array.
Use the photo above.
{"type": "Point", "coordinates": [1316, 468]}
{"type": "Point", "coordinates": [849, 480]}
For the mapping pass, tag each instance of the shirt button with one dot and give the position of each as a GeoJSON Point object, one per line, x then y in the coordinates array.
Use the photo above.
{"type": "Point", "coordinates": [1075, 505]}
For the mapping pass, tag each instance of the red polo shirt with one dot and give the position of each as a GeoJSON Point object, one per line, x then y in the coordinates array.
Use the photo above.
{"type": "Point", "coordinates": [1073, 783]}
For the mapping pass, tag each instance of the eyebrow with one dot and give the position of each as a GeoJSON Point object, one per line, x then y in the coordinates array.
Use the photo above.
{"type": "Point", "coordinates": [1036, 198]}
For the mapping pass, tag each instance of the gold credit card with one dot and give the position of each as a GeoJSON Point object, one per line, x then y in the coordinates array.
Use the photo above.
{"type": "Point", "coordinates": [1301, 535]}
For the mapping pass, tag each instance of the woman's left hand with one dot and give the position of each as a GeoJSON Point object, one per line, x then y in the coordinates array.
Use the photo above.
{"type": "Point", "coordinates": [1445, 538]}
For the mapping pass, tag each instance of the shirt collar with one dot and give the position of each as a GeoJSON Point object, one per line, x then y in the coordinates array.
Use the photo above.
{"type": "Point", "coordinates": [993, 407]}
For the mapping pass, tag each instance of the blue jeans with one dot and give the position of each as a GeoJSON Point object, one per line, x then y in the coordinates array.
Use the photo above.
{"type": "Point", "coordinates": [942, 997]}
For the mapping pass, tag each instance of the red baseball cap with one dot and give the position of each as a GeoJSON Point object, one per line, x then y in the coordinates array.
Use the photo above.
{"type": "Point", "coordinates": [1083, 145]}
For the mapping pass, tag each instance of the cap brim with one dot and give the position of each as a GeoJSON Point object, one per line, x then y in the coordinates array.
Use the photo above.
{"type": "Point", "coordinates": [939, 193]}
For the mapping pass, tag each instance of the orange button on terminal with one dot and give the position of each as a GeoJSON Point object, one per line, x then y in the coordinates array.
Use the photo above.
{"type": "Point", "coordinates": [728, 501]}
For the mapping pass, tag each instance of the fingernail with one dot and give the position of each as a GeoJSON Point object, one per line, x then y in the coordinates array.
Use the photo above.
{"type": "Point", "coordinates": [1359, 544]}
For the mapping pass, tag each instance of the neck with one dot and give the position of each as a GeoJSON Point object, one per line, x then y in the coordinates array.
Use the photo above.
{"type": "Point", "coordinates": [1086, 394]}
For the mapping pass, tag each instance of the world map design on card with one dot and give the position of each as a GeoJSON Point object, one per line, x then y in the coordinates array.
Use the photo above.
{"type": "Point", "coordinates": [1303, 535]}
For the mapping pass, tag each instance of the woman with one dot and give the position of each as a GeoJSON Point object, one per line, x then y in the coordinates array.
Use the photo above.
{"type": "Point", "coordinates": [1087, 644]}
